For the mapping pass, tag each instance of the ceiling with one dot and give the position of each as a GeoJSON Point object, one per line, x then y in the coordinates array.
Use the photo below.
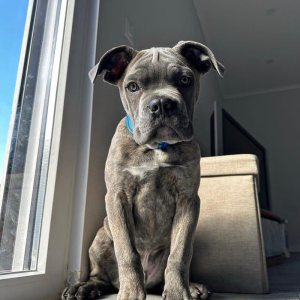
{"type": "Point", "coordinates": [257, 41]}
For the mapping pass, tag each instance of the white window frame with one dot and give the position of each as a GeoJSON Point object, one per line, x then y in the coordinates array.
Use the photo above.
{"type": "Point", "coordinates": [65, 199]}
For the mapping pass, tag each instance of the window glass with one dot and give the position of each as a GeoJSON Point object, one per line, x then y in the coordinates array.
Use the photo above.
{"type": "Point", "coordinates": [12, 23]}
{"type": "Point", "coordinates": [26, 126]}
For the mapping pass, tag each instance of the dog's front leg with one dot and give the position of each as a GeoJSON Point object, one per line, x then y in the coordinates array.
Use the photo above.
{"type": "Point", "coordinates": [183, 229]}
{"type": "Point", "coordinates": [119, 212]}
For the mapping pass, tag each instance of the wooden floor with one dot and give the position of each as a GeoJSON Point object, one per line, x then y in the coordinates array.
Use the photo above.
{"type": "Point", "coordinates": [284, 282]}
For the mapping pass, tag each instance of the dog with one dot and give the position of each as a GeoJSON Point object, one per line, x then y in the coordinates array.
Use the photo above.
{"type": "Point", "coordinates": [152, 175]}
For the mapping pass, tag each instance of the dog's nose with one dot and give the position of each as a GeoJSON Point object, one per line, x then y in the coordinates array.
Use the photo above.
{"type": "Point", "coordinates": [168, 104]}
{"type": "Point", "coordinates": [154, 105]}
{"type": "Point", "coordinates": [163, 104]}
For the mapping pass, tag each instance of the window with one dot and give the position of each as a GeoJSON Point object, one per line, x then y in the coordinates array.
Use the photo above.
{"type": "Point", "coordinates": [24, 181]}
{"type": "Point", "coordinates": [45, 173]}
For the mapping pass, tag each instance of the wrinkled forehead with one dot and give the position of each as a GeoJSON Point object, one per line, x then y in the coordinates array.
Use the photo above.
{"type": "Point", "coordinates": [159, 56]}
{"type": "Point", "coordinates": [156, 62]}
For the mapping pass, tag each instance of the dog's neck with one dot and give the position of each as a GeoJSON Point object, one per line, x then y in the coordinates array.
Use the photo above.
{"type": "Point", "coordinates": [129, 126]}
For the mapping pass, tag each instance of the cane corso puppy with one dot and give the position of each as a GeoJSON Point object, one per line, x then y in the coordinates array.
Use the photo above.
{"type": "Point", "coordinates": [152, 175]}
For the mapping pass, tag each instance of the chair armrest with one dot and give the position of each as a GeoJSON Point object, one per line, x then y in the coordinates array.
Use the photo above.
{"type": "Point", "coordinates": [241, 164]}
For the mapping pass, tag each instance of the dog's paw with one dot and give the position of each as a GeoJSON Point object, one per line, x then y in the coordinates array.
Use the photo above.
{"type": "Point", "coordinates": [199, 291]}
{"type": "Point", "coordinates": [176, 292]}
{"type": "Point", "coordinates": [132, 291]}
{"type": "Point", "coordinates": [81, 291]}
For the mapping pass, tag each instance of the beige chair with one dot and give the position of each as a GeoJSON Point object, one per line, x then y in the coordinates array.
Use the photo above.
{"type": "Point", "coordinates": [229, 251]}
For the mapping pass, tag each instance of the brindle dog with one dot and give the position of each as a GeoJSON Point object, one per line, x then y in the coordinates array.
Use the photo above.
{"type": "Point", "coordinates": [152, 175]}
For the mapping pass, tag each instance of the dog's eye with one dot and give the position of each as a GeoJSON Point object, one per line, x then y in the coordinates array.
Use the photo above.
{"type": "Point", "coordinates": [184, 80]}
{"type": "Point", "coordinates": [133, 87]}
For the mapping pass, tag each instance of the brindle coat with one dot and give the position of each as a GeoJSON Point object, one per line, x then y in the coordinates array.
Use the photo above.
{"type": "Point", "coordinates": [152, 198]}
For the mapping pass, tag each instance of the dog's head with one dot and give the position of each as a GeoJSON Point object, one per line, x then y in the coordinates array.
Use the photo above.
{"type": "Point", "coordinates": [159, 88]}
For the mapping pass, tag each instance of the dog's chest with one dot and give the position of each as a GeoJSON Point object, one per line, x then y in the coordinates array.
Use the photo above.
{"type": "Point", "coordinates": [151, 166]}
{"type": "Point", "coordinates": [154, 199]}
{"type": "Point", "coordinates": [153, 210]}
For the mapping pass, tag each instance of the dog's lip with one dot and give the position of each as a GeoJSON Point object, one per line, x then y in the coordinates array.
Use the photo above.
{"type": "Point", "coordinates": [172, 128]}
{"type": "Point", "coordinates": [167, 134]}
{"type": "Point", "coordinates": [164, 129]}
{"type": "Point", "coordinates": [150, 136]}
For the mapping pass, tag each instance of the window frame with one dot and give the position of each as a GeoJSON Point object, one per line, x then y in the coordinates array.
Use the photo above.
{"type": "Point", "coordinates": [63, 213]}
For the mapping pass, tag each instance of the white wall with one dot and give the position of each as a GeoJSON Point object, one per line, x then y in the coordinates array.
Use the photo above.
{"type": "Point", "coordinates": [156, 23]}
{"type": "Point", "coordinates": [273, 119]}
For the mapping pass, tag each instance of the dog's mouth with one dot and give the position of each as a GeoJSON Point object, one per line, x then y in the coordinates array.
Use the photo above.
{"type": "Point", "coordinates": [164, 132]}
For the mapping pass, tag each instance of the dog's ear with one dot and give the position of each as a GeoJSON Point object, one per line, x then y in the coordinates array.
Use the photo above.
{"type": "Point", "coordinates": [200, 56]}
{"type": "Point", "coordinates": [114, 63]}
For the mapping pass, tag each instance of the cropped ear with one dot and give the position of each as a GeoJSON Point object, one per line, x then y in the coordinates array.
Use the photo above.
{"type": "Point", "coordinates": [199, 56]}
{"type": "Point", "coordinates": [114, 63]}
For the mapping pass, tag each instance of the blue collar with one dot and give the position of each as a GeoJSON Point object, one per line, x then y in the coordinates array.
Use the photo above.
{"type": "Point", "coordinates": [129, 125]}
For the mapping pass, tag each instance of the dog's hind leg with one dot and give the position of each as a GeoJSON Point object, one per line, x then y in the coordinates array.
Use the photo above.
{"type": "Point", "coordinates": [104, 271]}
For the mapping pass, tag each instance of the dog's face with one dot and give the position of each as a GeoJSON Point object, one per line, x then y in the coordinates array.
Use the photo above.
{"type": "Point", "coordinates": [159, 88]}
